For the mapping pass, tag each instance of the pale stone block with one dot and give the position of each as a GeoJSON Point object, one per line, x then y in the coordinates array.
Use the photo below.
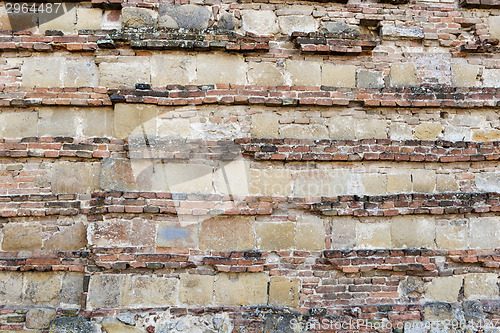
{"type": "Point", "coordinates": [494, 26]}
{"type": "Point", "coordinates": [260, 22]}
{"type": "Point", "coordinates": [11, 288]}
{"type": "Point", "coordinates": [71, 238]}
{"type": "Point", "coordinates": [487, 181]}
{"type": "Point", "coordinates": [241, 289]}
{"type": "Point", "coordinates": [57, 121]}
{"type": "Point", "coordinates": [444, 289]}
{"type": "Point", "coordinates": [62, 18]}
{"type": "Point", "coordinates": [481, 286]}
{"type": "Point", "coordinates": [75, 177]}
{"type": "Point", "coordinates": [117, 174]}
{"type": "Point", "coordinates": [284, 291]}
{"type": "Point", "coordinates": [369, 79]}
{"type": "Point", "coordinates": [184, 16]}
{"type": "Point", "coordinates": [177, 235]}
{"type": "Point", "coordinates": [220, 68]}
{"type": "Point", "coordinates": [371, 129]}
{"type": "Point", "coordinates": [228, 233]}
{"type": "Point", "coordinates": [81, 72]}
{"type": "Point", "coordinates": [395, 33]}
{"type": "Point", "coordinates": [271, 182]}
{"type": "Point", "coordinates": [104, 291]}
{"type": "Point", "coordinates": [304, 72]}
{"type": "Point", "coordinates": [343, 232]}
{"type": "Point", "coordinates": [373, 235]}
{"type": "Point", "coordinates": [39, 318]}
{"type": "Point", "coordinates": [452, 235]}
{"type": "Point", "coordinates": [428, 131]}
{"type": "Point", "coordinates": [265, 125]}
{"type": "Point", "coordinates": [188, 178]}
{"type": "Point", "coordinates": [424, 181]}
{"type": "Point", "coordinates": [196, 289]}
{"type": "Point", "coordinates": [403, 74]}
{"type": "Point", "coordinates": [491, 78]}
{"type": "Point", "coordinates": [310, 233]}
{"type": "Point", "coordinates": [134, 120]}
{"type": "Point", "coordinates": [342, 128]}
{"type": "Point", "coordinates": [311, 131]}
{"type": "Point", "coordinates": [486, 135]}
{"type": "Point", "coordinates": [300, 23]}
{"type": "Point", "coordinates": [233, 178]}
{"type": "Point", "coordinates": [311, 183]}
{"type": "Point", "coordinates": [88, 18]}
{"type": "Point", "coordinates": [374, 184]}
{"type": "Point", "coordinates": [173, 68]}
{"type": "Point", "coordinates": [413, 232]}
{"type": "Point", "coordinates": [484, 232]}
{"type": "Point", "coordinates": [125, 73]}
{"type": "Point", "coordinates": [465, 75]}
{"type": "Point", "coordinates": [446, 183]}
{"type": "Point", "coordinates": [273, 236]}
{"type": "Point", "coordinates": [46, 72]}
{"type": "Point", "coordinates": [295, 10]}
{"type": "Point", "coordinates": [338, 75]}
{"type": "Point", "coordinates": [400, 131]}
{"type": "Point", "coordinates": [399, 183]}
{"type": "Point", "coordinates": [148, 291]}
{"type": "Point", "coordinates": [455, 134]}
{"type": "Point", "coordinates": [113, 325]}
{"type": "Point", "coordinates": [110, 233]}
{"type": "Point", "coordinates": [18, 124]}
{"type": "Point", "coordinates": [71, 290]}
{"type": "Point", "coordinates": [265, 74]}
{"type": "Point", "coordinates": [21, 236]}
{"type": "Point", "coordinates": [42, 288]}
{"type": "Point", "coordinates": [135, 17]}
{"type": "Point", "coordinates": [97, 122]}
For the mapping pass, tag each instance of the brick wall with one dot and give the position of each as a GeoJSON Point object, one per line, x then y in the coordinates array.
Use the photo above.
{"type": "Point", "coordinates": [209, 166]}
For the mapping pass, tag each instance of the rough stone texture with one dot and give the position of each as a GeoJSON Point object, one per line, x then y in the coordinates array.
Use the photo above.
{"type": "Point", "coordinates": [134, 120]}
{"type": "Point", "coordinates": [484, 233]}
{"type": "Point", "coordinates": [43, 288]}
{"type": "Point", "coordinates": [314, 131]}
{"type": "Point", "coordinates": [265, 73]}
{"type": "Point", "coordinates": [412, 232]}
{"type": "Point", "coordinates": [340, 28]}
{"type": "Point", "coordinates": [21, 236]}
{"type": "Point", "coordinates": [451, 235]}
{"type": "Point", "coordinates": [403, 75]}
{"type": "Point", "coordinates": [494, 26]}
{"type": "Point", "coordinates": [241, 289]}
{"type": "Point", "coordinates": [271, 182]}
{"type": "Point", "coordinates": [284, 291]}
{"type": "Point", "coordinates": [220, 69]}
{"type": "Point", "coordinates": [104, 291]}
{"type": "Point", "coordinates": [395, 33]}
{"type": "Point", "coordinates": [113, 325]}
{"type": "Point", "coordinates": [260, 22]}
{"type": "Point", "coordinates": [11, 288]}
{"type": "Point", "coordinates": [424, 181]}
{"type": "Point", "coordinates": [399, 183]}
{"type": "Point", "coordinates": [428, 131]}
{"type": "Point", "coordinates": [125, 72]}
{"type": "Point", "coordinates": [265, 125]}
{"type": "Point", "coordinates": [62, 19]}
{"type": "Point", "coordinates": [369, 79]}
{"type": "Point", "coordinates": [275, 236]}
{"type": "Point", "coordinates": [487, 182]}
{"type": "Point", "coordinates": [481, 286]}
{"type": "Point", "coordinates": [75, 177]}
{"type": "Point", "coordinates": [196, 289]}
{"type": "Point", "coordinates": [465, 75]}
{"type": "Point", "coordinates": [177, 234]}
{"type": "Point", "coordinates": [71, 238]}
{"type": "Point", "coordinates": [117, 174]}
{"type": "Point", "coordinates": [310, 234]}
{"type": "Point", "coordinates": [343, 233]}
{"type": "Point", "coordinates": [71, 325]}
{"type": "Point", "coordinates": [444, 289]}
{"type": "Point", "coordinates": [89, 18]}
{"type": "Point", "coordinates": [148, 291]}
{"type": "Point", "coordinates": [174, 68]}
{"type": "Point", "coordinates": [139, 17]}
{"type": "Point", "coordinates": [373, 235]}
{"type": "Point", "coordinates": [18, 124]}
{"type": "Point", "coordinates": [227, 233]}
{"type": "Point", "coordinates": [491, 78]}
{"type": "Point", "coordinates": [40, 318]}
{"type": "Point", "coordinates": [338, 75]}
{"type": "Point", "coordinates": [293, 23]}
{"type": "Point", "coordinates": [184, 16]}
{"type": "Point", "coordinates": [304, 72]}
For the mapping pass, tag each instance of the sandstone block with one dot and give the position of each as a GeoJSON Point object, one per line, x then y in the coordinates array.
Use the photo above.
{"type": "Point", "coordinates": [400, 131]}
{"type": "Point", "coordinates": [125, 72]}
{"type": "Point", "coordinates": [374, 184]}
{"type": "Point", "coordinates": [135, 120]}
{"type": "Point", "coordinates": [446, 183]}
{"type": "Point", "coordinates": [21, 236]}
{"type": "Point", "coordinates": [481, 286]}
{"type": "Point", "coordinates": [373, 235]}
{"type": "Point", "coordinates": [233, 178]}
{"type": "Point", "coordinates": [399, 183]}
{"type": "Point", "coordinates": [487, 182]}
{"type": "Point", "coordinates": [241, 289]}
{"type": "Point", "coordinates": [452, 235]}
{"type": "Point", "coordinates": [18, 22]}
{"type": "Point", "coordinates": [135, 17]}
{"type": "Point", "coordinates": [188, 178]}
{"type": "Point", "coordinates": [177, 235]}
{"type": "Point", "coordinates": [72, 289]}
{"type": "Point", "coordinates": [224, 233]}
{"type": "Point", "coordinates": [484, 233]}
{"type": "Point", "coordinates": [260, 22]}
{"type": "Point", "coordinates": [323, 183]}
{"type": "Point", "coordinates": [403, 74]}
{"type": "Point", "coordinates": [494, 26]}
{"type": "Point", "coordinates": [75, 177]}
{"type": "Point", "coordinates": [62, 18]}
{"type": "Point", "coordinates": [342, 128]}
{"type": "Point", "coordinates": [304, 72]}
{"type": "Point", "coordinates": [196, 289]}
{"type": "Point", "coordinates": [220, 68]}
{"type": "Point", "coordinates": [173, 68]}
{"type": "Point", "coordinates": [293, 23]}
{"type": "Point", "coordinates": [80, 72]}
{"type": "Point", "coordinates": [265, 125]}
{"type": "Point", "coordinates": [465, 75]}
{"type": "Point", "coordinates": [311, 131]}
{"type": "Point", "coordinates": [97, 122]}
{"type": "Point", "coordinates": [71, 238]}
{"type": "Point", "coordinates": [424, 181]}
{"type": "Point", "coordinates": [310, 233]}
{"type": "Point", "coordinates": [42, 288]}
{"type": "Point", "coordinates": [271, 182]}
{"type": "Point", "coordinates": [340, 28]}
{"type": "Point", "coordinates": [444, 289]}
{"type": "Point", "coordinates": [113, 325]}
{"type": "Point", "coordinates": [369, 79]}
{"type": "Point", "coordinates": [117, 174]}
{"type": "Point", "coordinates": [371, 129]}
{"type": "Point", "coordinates": [284, 291]}
{"type": "Point", "coordinates": [491, 78]}
{"type": "Point", "coordinates": [338, 75]}
{"type": "Point", "coordinates": [104, 291]}
{"type": "Point", "coordinates": [110, 233]}
{"type": "Point", "coordinates": [39, 318]}
{"type": "Point", "coordinates": [395, 33]}
{"type": "Point", "coordinates": [18, 124]}
{"type": "Point", "coordinates": [88, 18]}
{"type": "Point", "coordinates": [148, 291]}
{"type": "Point", "coordinates": [275, 236]}
{"type": "Point", "coordinates": [142, 232]}
{"type": "Point", "coordinates": [264, 73]}
{"type": "Point", "coordinates": [343, 232]}
{"type": "Point", "coordinates": [184, 16]}
{"type": "Point", "coordinates": [295, 10]}
{"type": "Point", "coordinates": [412, 286]}
{"type": "Point", "coordinates": [46, 72]}
{"type": "Point", "coordinates": [486, 135]}
{"type": "Point", "coordinates": [455, 134]}
{"type": "Point", "coordinates": [409, 232]}
{"type": "Point", "coordinates": [174, 128]}
{"type": "Point", "coordinates": [11, 287]}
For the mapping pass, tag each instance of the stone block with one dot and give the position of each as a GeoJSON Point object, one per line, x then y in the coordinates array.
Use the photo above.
{"type": "Point", "coordinates": [173, 68]}
{"type": "Point", "coordinates": [310, 233]}
{"type": "Point", "coordinates": [338, 75]}
{"type": "Point", "coordinates": [444, 289]}
{"type": "Point", "coordinates": [413, 232]}
{"type": "Point", "coordinates": [265, 74]}
{"type": "Point", "coordinates": [233, 178]}
{"type": "Point", "coordinates": [104, 291]}
{"type": "Point", "coordinates": [273, 236]}
{"type": "Point", "coordinates": [227, 21]}
{"type": "Point", "coordinates": [125, 72]}
{"type": "Point", "coordinates": [371, 129]}
{"type": "Point", "coordinates": [438, 311]}
{"type": "Point", "coordinates": [39, 318]}
{"type": "Point", "coordinates": [75, 177]}
{"type": "Point", "coordinates": [452, 234]}
{"type": "Point", "coordinates": [71, 325]}
{"type": "Point", "coordinates": [196, 289]}
{"type": "Point", "coordinates": [403, 75]}
{"type": "Point", "coordinates": [97, 122]}
{"type": "Point", "coordinates": [340, 28]}
{"type": "Point", "coordinates": [62, 18]}
{"type": "Point", "coordinates": [494, 26]}
{"type": "Point", "coordinates": [11, 288]}
{"type": "Point", "coordinates": [241, 289]}
{"type": "Point", "coordinates": [57, 121]}
{"type": "Point", "coordinates": [72, 289]}
{"type": "Point", "coordinates": [18, 124]}
{"type": "Point", "coordinates": [395, 33]}
{"type": "Point", "coordinates": [177, 235]}
{"type": "Point", "coordinates": [399, 183]}
{"type": "Point", "coordinates": [174, 128]}
{"type": "Point", "coordinates": [342, 128]}
{"type": "Point", "coordinates": [446, 183]}
{"type": "Point", "coordinates": [18, 22]}
{"type": "Point", "coordinates": [304, 72]}
{"type": "Point", "coordinates": [117, 174]}
{"type": "Point", "coordinates": [89, 18]}
{"type": "Point", "coordinates": [42, 288]}
{"type": "Point", "coordinates": [312, 183]}
{"type": "Point", "coordinates": [293, 23]}
{"type": "Point", "coordinates": [135, 17]}
{"type": "Point", "coordinates": [21, 236]}
{"type": "Point", "coordinates": [303, 10]}
{"type": "Point", "coordinates": [412, 286]}
{"type": "Point", "coordinates": [142, 232]}
{"type": "Point", "coordinates": [424, 181]}
{"type": "Point", "coordinates": [455, 134]}
{"type": "Point", "coordinates": [70, 238]}
{"type": "Point", "coordinates": [481, 286]}
{"type": "Point", "coordinates": [274, 182]}
{"type": "Point", "coordinates": [491, 78]}
{"type": "Point", "coordinates": [183, 16]}
{"type": "Point", "coordinates": [465, 75]}
{"type": "Point", "coordinates": [374, 184]}
{"type": "Point", "coordinates": [148, 291]}
{"type": "Point", "coordinates": [487, 181]}
{"type": "Point", "coordinates": [284, 291]}
{"type": "Point", "coordinates": [484, 233]}
{"type": "Point", "coordinates": [227, 233]}
{"type": "Point", "coordinates": [311, 131]}
{"type": "Point", "coordinates": [135, 120]}
{"type": "Point", "coordinates": [110, 233]}
{"type": "Point", "coordinates": [265, 125]}
{"type": "Point", "coordinates": [260, 22]}
{"type": "Point", "coordinates": [343, 232]}
{"type": "Point", "coordinates": [81, 72]}
{"type": "Point", "coordinates": [188, 178]}
{"type": "Point", "coordinates": [113, 325]}
{"type": "Point", "coordinates": [400, 131]}
{"type": "Point", "coordinates": [373, 235]}
{"type": "Point", "coordinates": [220, 68]}
{"type": "Point", "coordinates": [486, 135]}
{"type": "Point", "coordinates": [46, 71]}
{"type": "Point", "coordinates": [369, 79]}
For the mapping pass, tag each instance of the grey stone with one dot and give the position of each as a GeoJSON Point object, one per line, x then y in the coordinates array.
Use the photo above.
{"type": "Point", "coordinates": [412, 286]}
{"type": "Point", "coordinates": [473, 309]}
{"type": "Point", "coordinates": [227, 22]}
{"type": "Point", "coordinates": [394, 33]}
{"type": "Point", "coordinates": [139, 17]}
{"type": "Point", "coordinates": [488, 182]}
{"type": "Point", "coordinates": [71, 325]}
{"type": "Point", "coordinates": [104, 291]}
{"type": "Point", "coordinates": [185, 16]}
{"type": "Point", "coordinates": [369, 79]}
{"type": "Point", "coordinates": [438, 311]}
{"type": "Point", "coordinates": [340, 28]}
{"type": "Point", "coordinates": [126, 318]}
{"type": "Point", "coordinates": [40, 318]}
